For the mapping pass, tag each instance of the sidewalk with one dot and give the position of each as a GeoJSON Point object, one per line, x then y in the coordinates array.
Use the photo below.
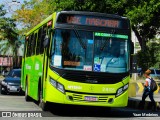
{"type": "Point", "coordinates": [134, 102]}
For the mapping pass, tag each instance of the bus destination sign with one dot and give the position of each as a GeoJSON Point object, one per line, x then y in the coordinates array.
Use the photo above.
{"type": "Point", "coordinates": [91, 21]}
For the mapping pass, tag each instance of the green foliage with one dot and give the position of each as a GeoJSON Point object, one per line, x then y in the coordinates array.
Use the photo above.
{"type": "Point", "coordinates": [7, 27]}
{"type": "Point", "coordinates": [144, 14]}
{"type": "Point", "coordinates": [34, 11]}
{"type": "Point", "coordinates": [2, 12]}
{"type": "Point", "coordinates": [145, 19]}
{"type": "Point", "coordinates": [8, 32]}
{"type": "Point", "coordinates": [151, 56]}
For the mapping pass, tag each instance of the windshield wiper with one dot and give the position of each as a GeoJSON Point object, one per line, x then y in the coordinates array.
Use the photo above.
{"type": "Point", "coordinates": [79, 38]}
{"type": "Point", "coordinates": [104, 45]}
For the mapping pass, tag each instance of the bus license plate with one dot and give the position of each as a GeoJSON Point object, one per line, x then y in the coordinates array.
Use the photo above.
{"type": "Point", "coordinates": [91, 98]}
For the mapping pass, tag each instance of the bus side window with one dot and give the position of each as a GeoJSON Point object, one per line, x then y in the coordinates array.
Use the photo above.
{"type": "Point", "coordinates": [35, 40]}
{"type": "Point", "coordinates": [28, 47]}
{"type": "Point", "coordinates": [44, 32]}
{"type": "Point", "coordinates": [38, 41]}
{"type": "Point", "coordinates": [25, 46]}
{"type": "Point", "coordinates": [33, 44]}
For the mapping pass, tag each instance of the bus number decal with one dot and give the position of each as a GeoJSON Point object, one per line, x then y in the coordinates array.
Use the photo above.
{"type": "Point", "coordinates": [74, 87]}
{"type": "Point", "coordinates": [104, 89]}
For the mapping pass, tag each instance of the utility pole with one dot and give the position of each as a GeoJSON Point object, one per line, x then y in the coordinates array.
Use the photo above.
{"type": "Point", "coordinates": [133, 82]}
{"type": "Point", "coordinates": [134, 63]}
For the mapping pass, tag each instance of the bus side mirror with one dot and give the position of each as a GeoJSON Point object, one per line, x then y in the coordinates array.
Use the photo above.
{"type": "Point", "coordinates": [46, 41]}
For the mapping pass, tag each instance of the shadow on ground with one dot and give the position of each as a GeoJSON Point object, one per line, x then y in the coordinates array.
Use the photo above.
{"type": "Point", "coordinates": [86, 111]}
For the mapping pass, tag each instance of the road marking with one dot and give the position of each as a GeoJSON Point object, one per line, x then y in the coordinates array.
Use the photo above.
{"type": "Point", "coordinates": [157, 91]}
{"type": "Point", "coordinates": [141, 88]}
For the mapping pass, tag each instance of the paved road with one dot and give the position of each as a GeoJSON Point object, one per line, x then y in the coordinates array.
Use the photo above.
{"type": "Point", "coordinates": [17, 104]}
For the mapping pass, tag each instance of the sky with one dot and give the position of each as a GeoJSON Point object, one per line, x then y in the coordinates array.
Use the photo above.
{"type": "Point", "coordinates": [11, 6]}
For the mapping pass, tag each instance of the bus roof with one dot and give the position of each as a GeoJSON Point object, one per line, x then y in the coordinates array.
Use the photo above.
{"type": "Point", "coordinates": [93, 14]}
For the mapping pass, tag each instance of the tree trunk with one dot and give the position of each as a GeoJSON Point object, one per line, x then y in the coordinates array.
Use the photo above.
{"type": "Point", "coordinates": [138, 36]}
{"type": "Point", "coordinates": [143, 44]}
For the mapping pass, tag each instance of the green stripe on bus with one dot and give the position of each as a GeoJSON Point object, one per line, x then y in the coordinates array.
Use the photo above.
{"type": "Point", "coordinates": [111, 35]}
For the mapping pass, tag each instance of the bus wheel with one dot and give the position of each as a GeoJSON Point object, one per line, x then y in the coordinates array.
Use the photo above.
{"type": "Point", "coordinates": [42, 104]}
{"type": "Point", "coordinates": [27, 98]}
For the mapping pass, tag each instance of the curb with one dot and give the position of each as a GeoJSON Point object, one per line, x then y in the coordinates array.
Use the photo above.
{"type": "Point", "coordinates": [135, 103]}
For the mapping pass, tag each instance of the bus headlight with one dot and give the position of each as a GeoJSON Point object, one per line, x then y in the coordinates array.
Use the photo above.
{"type": "Point", "coordinates": [125, 87]}
{"type": "Point", "coordinates": [53, 82]}
{"type": "Point", "coordinates": [119, 91]}
{"type": "Point", "coordinates": [57, 85]}
{"type": "Point", "coordinates": [122, 90]}
{"type": "Point", "coordinates": [60, 87]}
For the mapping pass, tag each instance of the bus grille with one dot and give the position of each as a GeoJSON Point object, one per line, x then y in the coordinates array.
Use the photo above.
{"type": "Point", "coordinates": [78, 97]}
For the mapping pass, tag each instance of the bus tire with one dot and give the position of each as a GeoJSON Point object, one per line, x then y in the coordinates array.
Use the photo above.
{"type": "Point", "coordinates": [27, 98]}
{"type": "Point", "coordinates": [42, 104]}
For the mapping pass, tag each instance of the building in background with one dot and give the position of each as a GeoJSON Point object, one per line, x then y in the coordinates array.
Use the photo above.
{"type": "Point", "coordinates": [8, 59]}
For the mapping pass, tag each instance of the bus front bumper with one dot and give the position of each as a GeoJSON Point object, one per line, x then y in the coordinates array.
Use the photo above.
{"type": "Point", "coordinates": [55, 96]}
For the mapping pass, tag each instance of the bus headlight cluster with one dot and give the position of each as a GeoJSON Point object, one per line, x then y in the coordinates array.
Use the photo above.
{"type": "Point", "coordinates": [57, 85]}
{"type": "Point", "coordinates": [122, 90]}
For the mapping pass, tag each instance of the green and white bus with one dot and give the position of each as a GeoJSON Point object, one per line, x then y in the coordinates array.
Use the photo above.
{"type": "Point", "coordinates": [78, 58]}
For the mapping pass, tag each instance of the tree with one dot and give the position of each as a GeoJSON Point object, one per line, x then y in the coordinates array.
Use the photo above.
{"type": "Point", "coordinates": [151, 56]}
{"type": "Point", "coordinates": [34, 11]}
{"type": "Point", "coordinates": [155, 52]}
{"type": "Point", "coordinates": [145, 19]}
{"type": "Point", "coordinates": [144, 14]}
{"type": "Point", "coordinates": [2, 13]}
{"type": "Point", "coordinates": [7, 27]}
{"type": "Point", "coordinates": [8, 33]}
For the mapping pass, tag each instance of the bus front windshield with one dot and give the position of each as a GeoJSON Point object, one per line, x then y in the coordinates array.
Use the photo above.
{"type": "Point", "coordinates": [89, 51]}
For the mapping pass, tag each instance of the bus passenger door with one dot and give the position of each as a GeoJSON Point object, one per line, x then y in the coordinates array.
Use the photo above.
{"type": "Point", "coordinates": [46, 46]}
